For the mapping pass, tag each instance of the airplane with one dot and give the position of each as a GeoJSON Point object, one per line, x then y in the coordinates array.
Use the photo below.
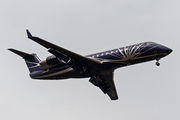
{"type": "Point", "coordinates": [99, 67]}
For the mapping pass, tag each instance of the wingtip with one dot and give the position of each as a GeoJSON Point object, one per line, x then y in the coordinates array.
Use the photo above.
{"type": "Point", "coordinates": [10, 49]}
{"type": "Point", "coordinates": [28, 34]}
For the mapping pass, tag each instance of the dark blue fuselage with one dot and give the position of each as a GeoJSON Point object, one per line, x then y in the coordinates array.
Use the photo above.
{"type": "Point", "coordinates": [111, 60]}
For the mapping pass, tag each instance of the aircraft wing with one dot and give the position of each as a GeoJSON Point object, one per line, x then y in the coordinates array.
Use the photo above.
{"type": "Point", "coordinates": [107, 86]}
{"type": "Point", "coordinates": [105, 82]}
{"type": "Point", "coordinates": [54, 49]}
{"type": "Point", "coordinates": [109, 80]}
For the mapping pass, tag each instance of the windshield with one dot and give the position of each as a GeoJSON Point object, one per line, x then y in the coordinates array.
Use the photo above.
{"type": "Point", "coordinates": [151, 43]}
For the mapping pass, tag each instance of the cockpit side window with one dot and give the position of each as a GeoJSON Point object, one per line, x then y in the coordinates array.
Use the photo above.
{"type": "Point", "coordinates": [151, 43]}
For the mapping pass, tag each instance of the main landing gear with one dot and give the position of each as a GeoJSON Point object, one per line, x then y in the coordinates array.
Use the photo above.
{"type": "Point", "coordinates": [157, 62]}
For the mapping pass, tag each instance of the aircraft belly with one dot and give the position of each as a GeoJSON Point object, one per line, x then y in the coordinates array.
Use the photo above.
{"type": "Point", "coordinates": [58, 74]}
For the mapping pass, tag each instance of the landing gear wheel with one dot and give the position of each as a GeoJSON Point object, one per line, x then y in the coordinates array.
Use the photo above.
{"type": "Point", "coordinates": [157, 63]}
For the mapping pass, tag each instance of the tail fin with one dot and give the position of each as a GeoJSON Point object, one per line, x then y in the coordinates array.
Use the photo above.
{"type": "Point", "coordinates": [32, 60]}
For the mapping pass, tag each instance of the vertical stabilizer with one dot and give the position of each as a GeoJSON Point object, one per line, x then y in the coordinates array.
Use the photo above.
{"type": "Point", "coordinates": [32, 60]}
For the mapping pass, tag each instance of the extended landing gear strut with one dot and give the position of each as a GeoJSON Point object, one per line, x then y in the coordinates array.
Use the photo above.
{"type": "Point", "coordinates": [157, 62]}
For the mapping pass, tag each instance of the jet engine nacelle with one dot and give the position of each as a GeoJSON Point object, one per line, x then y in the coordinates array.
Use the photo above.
{"type": "Point", "coordinates": [50, 62]}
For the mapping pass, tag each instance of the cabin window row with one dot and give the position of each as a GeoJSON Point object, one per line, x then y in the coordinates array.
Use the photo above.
{"type": "Point", "coordinates": [105, 53]}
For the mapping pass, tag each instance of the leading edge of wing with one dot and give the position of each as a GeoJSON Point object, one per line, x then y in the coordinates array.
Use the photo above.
{"type": "Point", "coordinates": [49, 45]}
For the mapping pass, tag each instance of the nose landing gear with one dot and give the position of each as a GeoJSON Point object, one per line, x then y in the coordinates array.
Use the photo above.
{"type": "Point", "coordinates": [157, 63]}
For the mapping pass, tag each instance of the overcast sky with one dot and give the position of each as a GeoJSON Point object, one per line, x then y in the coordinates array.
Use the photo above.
{"type": "Point", "coordinates": [146, 92]}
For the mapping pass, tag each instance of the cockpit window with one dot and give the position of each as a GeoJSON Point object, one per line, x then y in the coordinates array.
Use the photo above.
{"type": "Point", "coordinates": [150, 43]}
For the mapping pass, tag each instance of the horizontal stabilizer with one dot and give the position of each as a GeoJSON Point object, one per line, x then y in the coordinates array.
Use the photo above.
{"type": "Point", "coordinates": [20, 53]}
{"type": "Point", "coordinates": [32, 60]}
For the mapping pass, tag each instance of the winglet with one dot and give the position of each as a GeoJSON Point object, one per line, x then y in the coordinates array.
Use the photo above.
{"type": "Point", "coordinates": [28, 34]}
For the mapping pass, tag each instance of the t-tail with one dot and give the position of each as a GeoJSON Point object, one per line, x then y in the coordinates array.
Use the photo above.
{"type": "Point", "coordinates": [32, 60]}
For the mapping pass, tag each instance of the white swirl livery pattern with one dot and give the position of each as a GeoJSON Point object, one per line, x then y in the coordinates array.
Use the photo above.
{"type": "Point", "coordinates": [127, 53]}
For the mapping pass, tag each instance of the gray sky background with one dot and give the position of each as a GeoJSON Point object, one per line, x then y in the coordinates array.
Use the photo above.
{"type": "Point", "coordinates": [146, 92]}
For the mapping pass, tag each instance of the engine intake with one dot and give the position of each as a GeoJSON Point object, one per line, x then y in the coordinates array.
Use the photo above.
{"type": "Point", "coordinates": [50, 62]}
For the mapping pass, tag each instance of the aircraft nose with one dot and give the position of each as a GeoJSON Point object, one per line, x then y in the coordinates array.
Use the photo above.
{"type": "Point", "coordinates": [170, 50]}
{"type": "Point", "coordinates": [167, 50]}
